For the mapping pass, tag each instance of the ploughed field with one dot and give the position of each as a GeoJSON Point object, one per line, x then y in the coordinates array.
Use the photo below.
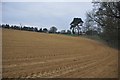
{"type": "Point", "coordinates": [41, 55]}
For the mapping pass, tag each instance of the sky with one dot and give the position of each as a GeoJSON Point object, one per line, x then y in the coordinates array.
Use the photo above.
{"type": "Point", "coordinates": [44, 14]}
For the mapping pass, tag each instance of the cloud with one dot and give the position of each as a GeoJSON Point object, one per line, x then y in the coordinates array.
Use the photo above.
{"type": "Point", "coordinates": [45, 14]}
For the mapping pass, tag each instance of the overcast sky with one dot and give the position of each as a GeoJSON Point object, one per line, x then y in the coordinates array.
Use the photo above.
{"type": "Point", "coordinates": [44, 14]}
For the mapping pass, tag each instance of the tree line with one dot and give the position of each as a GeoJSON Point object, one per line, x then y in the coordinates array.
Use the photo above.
{"type": "Point", "coordinates": [106, 16]}
{"type": "Point", "coordinates": [53, 29]}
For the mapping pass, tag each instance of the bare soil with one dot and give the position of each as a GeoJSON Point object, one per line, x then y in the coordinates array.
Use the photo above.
{"type": "Point", "coordinates": [41, 55]}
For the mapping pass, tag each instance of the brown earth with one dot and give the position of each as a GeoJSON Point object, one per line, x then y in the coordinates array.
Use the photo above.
{"type": "Point", "coordinates": [39, 55]}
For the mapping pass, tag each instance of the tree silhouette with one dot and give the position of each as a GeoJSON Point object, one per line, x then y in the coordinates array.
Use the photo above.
{"type": "Point", "coordinates": [36, 29]}
{"type": "Point", "coordinates": [75, 24]}
{"type": "Point", "coordinates": [40, 30]}
{"type": "Point", "coordinates": [53, 30]}
{"type": "Point", "coordinates": [68, 32]}
{"type": "Point", "coordinates": [45, 30]}
{"type": "Point", "coordinates": [107, 16]}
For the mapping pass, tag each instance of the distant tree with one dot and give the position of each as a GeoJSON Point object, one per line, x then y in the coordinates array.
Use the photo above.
{"type": "Point", "coordinates": [16, 27]}
{"type": "Point", "coordinates": [58, 32]}
{"type": "Point", "coordinates": [76, 23]}
{"type": "Point", "coordinates": [36, 29]}
{"type": "Point", "coordinates": [0, 26]}
{"type": "Point", "coordinates": [68, 32]}
{"type": "Point", "coordinates": [5, 26]}
{"type": "Point", "coordinates": [31, 29]}
{"type": "Point", "coordinates": [12, 27]}
{"type": "Point", "coordinates": [45, 30]}
{"type": "Point", "coordinates": [25, 28]}
{"type": "Point", "coordinates": [63, 32]}
{"type": "Point", "coordinates": [40, 30]}
{"type": "Point", "coordinates": [53, 30]}
{"type": "Point", "coordinates": [91, 32]}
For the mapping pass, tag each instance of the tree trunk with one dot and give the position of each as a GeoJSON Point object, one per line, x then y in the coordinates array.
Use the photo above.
{"type": "Point", "coordinates": [78, 28]}
{"type": "Point", "coordinates": [73, 31]}
{"type": "Point", "coordinates": [78, 32]}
